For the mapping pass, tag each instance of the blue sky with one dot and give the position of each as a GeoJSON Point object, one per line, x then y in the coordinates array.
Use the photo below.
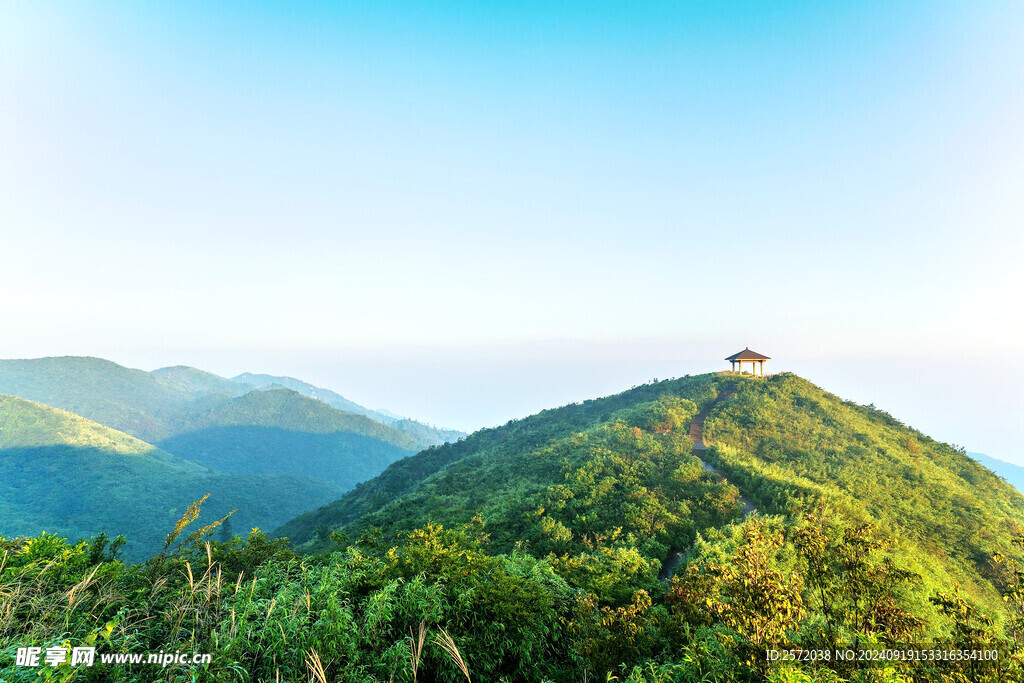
{"type": "Point", "coordinates": [471, 211]}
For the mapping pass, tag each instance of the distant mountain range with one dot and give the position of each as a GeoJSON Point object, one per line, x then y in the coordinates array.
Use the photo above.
{"type": "Point", "coordinates": [239, 439]}
{"type": "Point", "coordinates": [153, 405]}
{"type": "Point", "coordinates": [279, 431]}
{"type": "Point", "coordinates": [64, 474]}
{"type": "Point", "coordinates": [425, 435]}
{"type": "Point", "coordinates": [1013, 474]}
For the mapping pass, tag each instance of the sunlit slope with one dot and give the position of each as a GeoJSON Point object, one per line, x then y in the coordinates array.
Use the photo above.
{"type": "Point", "coordinates": [495, 445]}
{"type": "Point", "coordinates": [784, 441]}
{"type": "Point", "coordinates": [64, 474]}
{"type": "Point", "coordinates": [131, 401]}
{"type": "Point", "coordinates": [610, 473]}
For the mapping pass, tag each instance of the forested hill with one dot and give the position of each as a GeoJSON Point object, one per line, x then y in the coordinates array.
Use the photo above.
{"type": "Point", "coordinates": [158, 405]}
{"type": "Point", "coordinates": [198, 383]}
{"type": "Point", "coordinates": [279, 431]}
{"type": "Point", "coordinates": [303, 449]}
{"type": "Point", "coordinates": [63, 474]}
{"type": "Point", "coordinates": [131, 401]}
{"type": "Point", "coordinates": [784, 439]}
{"type": "Point", "coordinates": [514, 437]}
{"type": "Point", "coordinates": [613, 481]}
{"type": "Point", "coordinates": [425, 435]}
{"type": "Point", "coordinates": [590, 542]}
{"type": "Point", "coordinates": [332, 398]}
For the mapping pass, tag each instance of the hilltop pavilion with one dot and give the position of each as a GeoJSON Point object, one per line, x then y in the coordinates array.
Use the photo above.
{"type": "Point", "coordinates": [755, 359]}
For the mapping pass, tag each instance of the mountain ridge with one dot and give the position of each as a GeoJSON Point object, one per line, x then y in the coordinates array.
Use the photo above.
{"type": "Point", "coordinates": [780, 441]}
{"type": "Point", "coordinates": [154, 405]}
{"type": "Point", "coordinates": [65, 474]}
{"type": "Point", "coordinates": [426, 435]}
{"type": "Point", "coordinates": [1011, 473]}
{"type": "Point", "coordinates": [279, 431]}
{"type": "Point", "coordinates": [232, 426]}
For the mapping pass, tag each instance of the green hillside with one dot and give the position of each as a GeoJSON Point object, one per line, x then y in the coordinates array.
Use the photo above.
{"type": "Point", "coordinates": [784, 439]}
{"type": "Point", "coordinates": [279, 431]}
{"type": "Point", "coordinates": [156, 405]}
{"type": "Point", "coordinates": [780, 441]}
{"type": "Point", "coordinates": [131, 401]}
{"type": "Point", "coordinates": [221, 423]}
{"type": "Point", "coordinates": [63, 474]}
{"type": "Point", "coordinates": [424, 435]}
{"type": "Point", "coordinates": [593, 542]}
{"type": "Point", "coordinates": [609, 494]}
{"type": "Point", "coordinates": [516, 438]}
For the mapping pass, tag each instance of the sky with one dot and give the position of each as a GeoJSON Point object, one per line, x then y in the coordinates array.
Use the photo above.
{"type": "Point", "coordinates": [468, 212]}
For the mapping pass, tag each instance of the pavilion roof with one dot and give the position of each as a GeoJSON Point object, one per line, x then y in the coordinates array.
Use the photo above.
{"type": "Point", "coordinates": [747, 354]}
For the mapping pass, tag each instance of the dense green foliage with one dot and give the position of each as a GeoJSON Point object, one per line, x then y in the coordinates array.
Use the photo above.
{"type": "Point", "coordinates": [874, 531]}
{"type": "Point", "coordinates": [131, 401]}
{"type": "Point", "coordinates": [64, 474]}
{"type": "Point", "coordinates": [784, 439]}
{"type": "Point", "coordinates": [515, 437]}
{"type": "Point", "coordinates": [433, 603]}
{"type": "Point", "coordinates": [532, 552]}
{"type": "Point", "coordinates": [304, 450]}
{"type": "Point", "coordinates": [609, 504]}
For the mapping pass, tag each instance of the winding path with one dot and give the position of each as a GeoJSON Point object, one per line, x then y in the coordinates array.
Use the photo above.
{"type": "Point", "coordinates": [699, 447]}
{"type": "Point", "coordinates": [697, 424]}
{"type": "Point", "coordinates": [677, 556]}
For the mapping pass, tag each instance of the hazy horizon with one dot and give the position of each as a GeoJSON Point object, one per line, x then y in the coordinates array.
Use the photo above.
{"type": "Point", "coordinates": [474, 388]}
